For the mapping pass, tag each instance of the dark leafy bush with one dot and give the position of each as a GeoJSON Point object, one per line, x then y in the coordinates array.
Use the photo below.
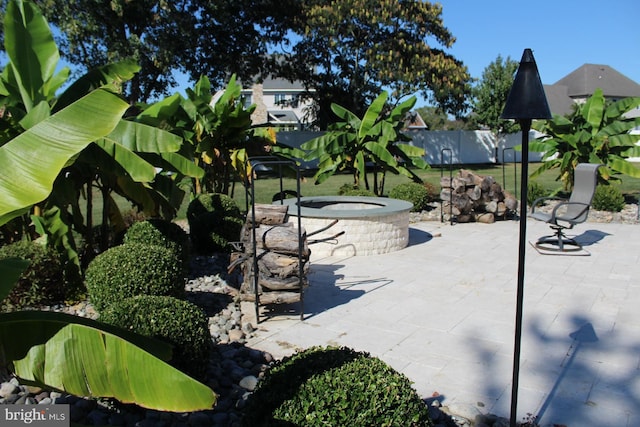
{"type": "Point", "coordinates": [42, 283]}
{"type": "Point", "coordinates": [162, 233]}
{"type": "Point", "coordinates": [177, 322]}
{"type": "Point", "coordinates": [131, 216]}
{"type": "Point", "coordinates": [344, 188]}
{"type": "Point", "coordinates": [534, 191]}
{"type": "Point", "coordinates": [214, 221]}
{"type": "Point", "coordinates": [354, 190]}
{"type": "Point", "coordinates": [213, 203]}
{"type": "Point", "coordinates": [133, 269]}
{"type": "Point", "coordinates": [356, 193]}
{"type": "Point", "coordinates": [335, 387]}
{"type": "Point", "coordinates": [411, 192]}
{"type": "Point", "coordinates": [608, 198]}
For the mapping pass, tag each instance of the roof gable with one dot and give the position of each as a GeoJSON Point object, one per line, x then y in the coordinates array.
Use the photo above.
{"type": "Point", "coordinates": [583, 82]}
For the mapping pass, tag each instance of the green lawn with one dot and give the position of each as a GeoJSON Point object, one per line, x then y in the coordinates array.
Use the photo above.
{"type": "Point", "coordinates": [509, 177]}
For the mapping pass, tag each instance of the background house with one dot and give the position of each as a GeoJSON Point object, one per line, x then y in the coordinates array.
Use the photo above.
{"type": "Point", "coordinates": [279, 104]}
{"type": "Point", "coordinates": [581, 83]}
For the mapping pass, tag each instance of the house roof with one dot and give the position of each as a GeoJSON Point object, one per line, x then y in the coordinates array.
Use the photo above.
{"type": "Point", "coordinates": [583, 81]}
{"type": "Point", "coordinates": [281, 84]}
{"type": "Point", "coordinates": [283, 117]}
{"type": "Point", "coordinates": [558, 99]}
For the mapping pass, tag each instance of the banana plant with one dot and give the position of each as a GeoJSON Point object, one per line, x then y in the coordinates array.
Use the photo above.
{"type": "Point", "coordinates": [39, 143]}
{"type": "Point", "coordinates": [353, 143]}
{"type": "Point", "coordinates": [595, 132]}
{"type": "Point", "coordinates": [37, 155]}
{"type": "Point", "coordinates": [88, 358]}
{"type": "Point", "coordinates": [123, 162]}
{"type": "Point", "coordinates": [67, 352]}
{"type": "Point", "coordinates": [218, 130]}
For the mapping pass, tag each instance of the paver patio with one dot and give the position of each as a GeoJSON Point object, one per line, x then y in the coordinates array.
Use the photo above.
{"type": "Point", "coordinates": [442, 311]}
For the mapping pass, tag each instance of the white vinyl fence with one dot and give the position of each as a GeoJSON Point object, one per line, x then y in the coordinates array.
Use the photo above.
{"type": "Point", "coordinates": [448, 147]}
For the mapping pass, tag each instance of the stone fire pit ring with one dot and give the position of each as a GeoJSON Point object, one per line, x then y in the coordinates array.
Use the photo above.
{"type": "Point", "coordinates": [370, 225]}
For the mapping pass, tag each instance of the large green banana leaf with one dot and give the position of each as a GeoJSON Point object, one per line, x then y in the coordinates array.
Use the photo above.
{"type": "Point", "coordinates": [372, 115]}
{"type": "Point", "coordinates": [129, 137]}
{"type": "Point", "coordinates": [32, 51]}
{"type": "Point", "coordinates": [87, 358]}
{"type": "Point", "coordinates": [35, 157]}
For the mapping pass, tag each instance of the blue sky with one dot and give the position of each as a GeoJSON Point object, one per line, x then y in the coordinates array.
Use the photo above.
{"type": "Point", "coordinates": [563, 34]}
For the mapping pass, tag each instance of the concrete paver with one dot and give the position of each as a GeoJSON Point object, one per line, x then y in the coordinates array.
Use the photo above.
{"type": "Point", "coordinates": [442, 311]}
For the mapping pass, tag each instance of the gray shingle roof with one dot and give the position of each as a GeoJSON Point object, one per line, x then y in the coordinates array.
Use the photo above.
{"type": "Point", "coordinates": [585, 80]}
{"type": "Point", "coordinates": [582, 83]}
{"type": "Point", "coordinates": [558, 99]}
{"type": "Point", "coordinates": [281, 84]}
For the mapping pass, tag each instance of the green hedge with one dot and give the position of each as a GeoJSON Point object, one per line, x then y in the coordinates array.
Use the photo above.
{"type": "Point", "coordinates": [334, 387]}
{"type": "Point", "coordinates": [162, 233]}
{"type": "Point", "coordinates": [180, 323]}
{"type": "Point", "coordinates": [412, 192]}
{"type": "Point", "coordinates": [608, 198]}
{"type": "Point", "coordinates": [133, 269]}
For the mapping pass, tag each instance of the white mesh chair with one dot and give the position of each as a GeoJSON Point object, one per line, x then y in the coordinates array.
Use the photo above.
{"type": "Point", "coordinates": [568, 213]}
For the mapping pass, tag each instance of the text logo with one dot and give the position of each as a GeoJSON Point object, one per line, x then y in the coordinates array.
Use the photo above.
{"type": "Point", "coordinates": [35, 415]}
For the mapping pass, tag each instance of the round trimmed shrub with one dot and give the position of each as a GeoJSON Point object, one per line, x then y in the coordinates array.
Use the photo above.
{"type": "Point", "coordinates": [214, 221]}
{"type": "Point", "coordinates": [411, 192]}
{"type": "Point", "coordinates": [133, 269]}
{"type": "Point", "coordinates": [42, 283]}
{"type": "Point", "coordinates": [334, 386]}
{"type": "Point", "coordinates": [162, 233]}
{"type": "Point", "coordinates": [608, 198]}
{"type": "Point", "coordinates": [180, 323]}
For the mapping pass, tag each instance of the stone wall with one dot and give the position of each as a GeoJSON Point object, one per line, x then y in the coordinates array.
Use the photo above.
{"type": "Point", "coordinates": [362, 236]}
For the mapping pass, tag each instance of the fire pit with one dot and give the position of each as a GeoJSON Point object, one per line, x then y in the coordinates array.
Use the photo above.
{"type": "Point", "coordinates": [369, 225]}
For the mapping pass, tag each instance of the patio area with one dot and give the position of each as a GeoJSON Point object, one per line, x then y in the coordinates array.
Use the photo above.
{"type": "Point", "coordinates": [442, 311]}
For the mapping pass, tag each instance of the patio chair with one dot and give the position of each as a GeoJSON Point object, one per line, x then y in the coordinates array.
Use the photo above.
{"type": "Point", "coordinates": [567, 213]}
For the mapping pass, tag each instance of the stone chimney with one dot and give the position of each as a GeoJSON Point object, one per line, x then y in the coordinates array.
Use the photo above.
{"type": "Point", "coordinates": [260, 115]}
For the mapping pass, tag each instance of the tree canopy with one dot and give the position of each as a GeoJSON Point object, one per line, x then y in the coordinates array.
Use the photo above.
{"type": "Point", "coordinates": [196, 37]}
{"type": "Point", "coordinates": [436, 119]}
{"type": "Point", "coordinates": [345, 52]}
{"type": "Point", "coordinates": [490, 96]}
{"type": "Point", "coordinates": [348, 51]}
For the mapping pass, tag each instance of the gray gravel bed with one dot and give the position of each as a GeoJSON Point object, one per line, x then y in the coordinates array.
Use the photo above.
{"type": "Point", "coordinates": [233, 369]}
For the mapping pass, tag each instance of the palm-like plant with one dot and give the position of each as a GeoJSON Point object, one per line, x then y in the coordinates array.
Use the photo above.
{"type": "Point", "coordinates": [353, 143]}
{"type": "Point", "coordinates": [596, 132]}
{"type": "Point", "coordinates": [54, 350]}
{"type": "Point", "coordinates": [123, 161]}
{"type": "Point", "coordinates": [217, 132]}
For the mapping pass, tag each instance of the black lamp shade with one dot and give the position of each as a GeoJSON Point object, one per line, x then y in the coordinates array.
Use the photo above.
{"type": "Point", "coordinates": [527, 99]}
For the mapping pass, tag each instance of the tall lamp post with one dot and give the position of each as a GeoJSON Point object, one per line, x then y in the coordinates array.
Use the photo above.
{"type": "Point", "coordinates": [526, 101]}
